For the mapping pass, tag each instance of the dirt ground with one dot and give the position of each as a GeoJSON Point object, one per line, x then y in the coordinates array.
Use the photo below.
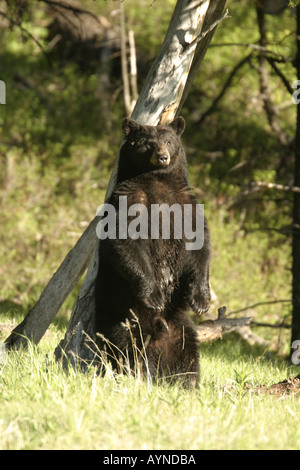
{"type": "Point", "coordinates": [287, 387]}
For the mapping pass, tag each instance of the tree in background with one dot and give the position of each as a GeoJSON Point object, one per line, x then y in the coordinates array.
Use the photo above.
{"type": "Point", "coordinates": [296, 210]}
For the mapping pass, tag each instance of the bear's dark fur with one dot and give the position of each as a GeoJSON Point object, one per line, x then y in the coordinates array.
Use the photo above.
{"type": "Point", "coordinates": [145, 286]}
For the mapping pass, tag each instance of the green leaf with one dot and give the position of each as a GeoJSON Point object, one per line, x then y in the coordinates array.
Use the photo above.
{"type": "Point", "coordinates": [294, 3]}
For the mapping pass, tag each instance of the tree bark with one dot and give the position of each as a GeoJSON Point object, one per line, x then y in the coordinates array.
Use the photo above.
{"type": "Point", "coordinates": [296, 211]}
{"type": "Point", "coordinates": [266, 93]}
{"type": "Point", "coordinates": [165, 88]}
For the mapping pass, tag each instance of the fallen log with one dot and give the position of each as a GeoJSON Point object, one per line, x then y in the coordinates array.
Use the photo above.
{"type": "Point", "coordinates": [210, 330]}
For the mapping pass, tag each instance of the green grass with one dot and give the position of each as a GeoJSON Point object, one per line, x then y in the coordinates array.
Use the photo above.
{"type": "Point", "coordinates": [44, 407]}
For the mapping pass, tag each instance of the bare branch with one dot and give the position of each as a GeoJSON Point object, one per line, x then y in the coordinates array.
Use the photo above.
{"type": "Point", "coordinates": [282, 77]}
{"type": "Point", "coordinates": [255, 47]}
{"type": "Point", "coordinates": [240, 198]}
{"type": "Point", "coordinates": [258, 304]}
{"type": "Point", "coordinates": [28, 33]}
{"type": "Point", "coordinates": [205, 33]}
{"type": "Point", "coordinates": [68, 6]}
{"type": "Point", "coordinates": [226, 85]}
{"type": "Point", "coordinates": [280, 187]}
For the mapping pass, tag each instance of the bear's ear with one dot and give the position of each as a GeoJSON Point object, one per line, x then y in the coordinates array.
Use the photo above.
{"type": "Point", "coordinates": [178, 125]}
{"type": "Point", "coordinates": [129, 125]}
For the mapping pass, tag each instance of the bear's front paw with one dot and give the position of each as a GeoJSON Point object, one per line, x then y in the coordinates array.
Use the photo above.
{"type": "Point", "coordinates": [199, 300]}
{"type": "Point", "coordinates": [155, 301]}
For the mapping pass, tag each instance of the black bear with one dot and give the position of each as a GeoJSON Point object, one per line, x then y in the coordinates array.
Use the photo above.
{"type": "Point", "coordinates": [149, 278]}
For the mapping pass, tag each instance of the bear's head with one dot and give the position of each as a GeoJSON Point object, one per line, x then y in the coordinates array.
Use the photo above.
{"type": "Point", "coordinates": [151, 148]}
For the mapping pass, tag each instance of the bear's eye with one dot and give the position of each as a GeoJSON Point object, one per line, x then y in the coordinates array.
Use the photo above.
{"type": "Point", "coordinates": [168, 143]}
{"type": "Point", "coordinates": [132, 142]}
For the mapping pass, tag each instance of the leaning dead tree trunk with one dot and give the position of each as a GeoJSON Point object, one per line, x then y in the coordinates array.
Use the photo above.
{"type": "Point", "coordinates": [191, 28]}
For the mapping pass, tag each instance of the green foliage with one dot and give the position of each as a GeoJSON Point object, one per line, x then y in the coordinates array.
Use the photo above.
{"type": "Point", "coordinates": [294, 3]}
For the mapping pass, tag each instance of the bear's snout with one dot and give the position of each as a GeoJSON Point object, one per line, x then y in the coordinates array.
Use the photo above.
{"type": "Point", "coordinates": [163, 159]}
{"type": "Point", "coordinates": [160, 157]}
